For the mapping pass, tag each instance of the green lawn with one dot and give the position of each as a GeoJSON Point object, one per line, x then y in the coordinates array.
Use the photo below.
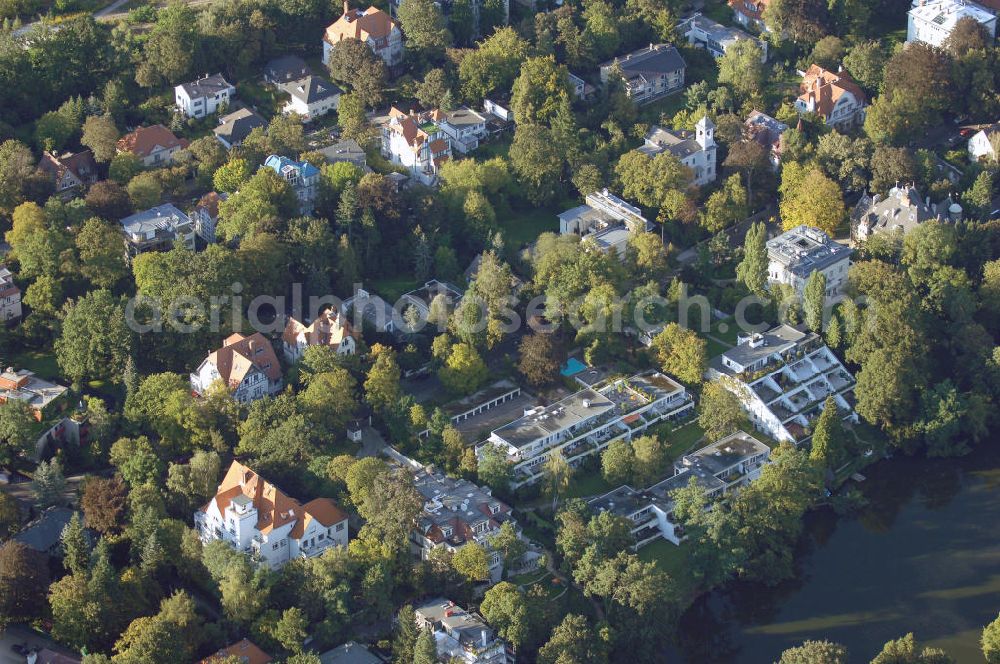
{"type": "Point", "coordinates": [668, 106]}
{"type": "Point", "coordinates": [730, 327]}
{"type": "Point", "coordinates": [524, 226]}
{"type": "Point", "coordinates": [266, 99]}
{"type": "Point", "coordinates": [715, 348]}
{"type": "Point", "coordinates": [496, 148]}
{"type": "Point", "coordinates": [670, 557]}
{"type": "Point", "coordinates": [43, 363]}
{"type": "Point", "coordinates": [720, 12]}
{"type": "Point", "coordinates": [391, 288]}
{"type": "Point", "coordinates": [680, 440]}
{"type": "Point", "coordinates": [588, 483]}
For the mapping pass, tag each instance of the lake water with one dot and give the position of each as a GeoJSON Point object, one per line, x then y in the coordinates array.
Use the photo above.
{"type": "Point", "coordinates": [923, 556]}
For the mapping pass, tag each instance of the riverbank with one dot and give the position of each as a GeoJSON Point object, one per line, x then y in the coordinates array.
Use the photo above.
{"type": "Point", "coordinates": [922, 556]}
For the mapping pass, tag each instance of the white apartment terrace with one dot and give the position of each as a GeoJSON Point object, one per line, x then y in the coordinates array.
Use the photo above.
{"type": "Point", "coordinates": [719, 469]}
{"type": "Point", "coordinates": [586, 422]}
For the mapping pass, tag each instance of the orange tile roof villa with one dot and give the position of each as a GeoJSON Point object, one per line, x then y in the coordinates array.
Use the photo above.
{"type": "Point", "coordinates": [372, 26]}
{"type": "Point", "coordinates": [835, 97]}
{"type": "Point", "coordinates": [254, 516]}
{"type": "Point", "coordinates": [247, 365]}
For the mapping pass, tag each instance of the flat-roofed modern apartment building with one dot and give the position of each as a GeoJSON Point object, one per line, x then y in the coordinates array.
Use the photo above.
{"type": "Point", "coordinates": [719, 468]}
{"type": "Point", "coordinates": [586, 422]}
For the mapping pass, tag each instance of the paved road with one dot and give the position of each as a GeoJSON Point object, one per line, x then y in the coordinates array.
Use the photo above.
{"type": "Point", "coordinates": [18, 634]}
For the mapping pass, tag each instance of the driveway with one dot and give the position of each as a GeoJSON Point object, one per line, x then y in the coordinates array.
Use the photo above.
{"type": "Point", "coordinates": [19, 634]}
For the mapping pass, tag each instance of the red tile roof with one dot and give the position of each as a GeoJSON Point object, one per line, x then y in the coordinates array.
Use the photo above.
{"type": "Point", "coordinates": [826, 88]}
{"type": "Point", "coordinates": [246, 651]}
{"type": "Point", "coordinates": [239, 354]}
{"type": "Point", "coordinates": [274, 508]}
{"type": "Point", "coordinates": [144, 140]}
{"type": "Point", "coordinates": [360, 24]}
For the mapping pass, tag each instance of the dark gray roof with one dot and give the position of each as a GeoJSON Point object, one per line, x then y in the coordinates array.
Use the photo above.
{"type": "Point", "coordinates": [776, 340]}
{"type": "Point", "coordinates": [805, 249]}
{"type": "Point", "coordinates": [237, 125]}
{"type": "Point", "coordinates": [723, 454]}
{"type": "Point", "coordinates": [43, 533]}
{"type": "Point", "coordinates": [349, 653]}
{"type": "Point", "coordinates": [345, 150]}
{"type": "Point", "coordinates": [654, 60]}
{"type": "Point", "coordinates": [679, 143]}
{"type": "Point", "coordinates": [206, 87]}
{"type": "Point", "coordinates": [311, 89]}
{"type": "Point", "coordinates": [286, 68]}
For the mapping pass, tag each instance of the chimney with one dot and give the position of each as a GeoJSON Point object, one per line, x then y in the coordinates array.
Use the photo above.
{"type": "Point", "coordinates": [483, 633]}
{"type": "Point", "coordinates": [347, 6]}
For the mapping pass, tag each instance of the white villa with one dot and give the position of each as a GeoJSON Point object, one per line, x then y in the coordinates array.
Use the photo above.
{"type": "Point", "coordinates": [329, 329]}
{"type": "Point", "coordinates": [715, 37]}
{"type": "Point", "coordinates": [311, 97]}
{"type": "Point", "coordinates": [157, 229]}
{"type": "Point", "coordinates": [465, 127]}
{"type": "Point", "coordinates": [248, 366]}
{"type": "Point", "coordinates": [416, 141]}
{"type": "Point", "coordinates": [10, 296]}
{"type": "Point", "coordinates": [301, 176]}
{"type": "Point", "coordinates": [794, 255]}
{"type": "Point", "coordinates": [932, 21]}
{"type": "Point", "coordinates": [461, 636]}
{"type": "Point", "coordinates": [782, 378]}
{"type": "Point", "coordinates": [695, 150]}
{"type": "Point", "coordinates": [984, 144]}
{"type": "Point", "coordinates": [255, 517]}
{"type": "Point", "coordinates": [604, 220]}
{"type": "Point", "coordinates": [649, 73]}
{"type": "Point", "coordinates": [372, 26]}
{"type": "Point", "coordinates": [720, 468]}
{"type": "Point", "coordinates": [204, 96]}
{"type": "Point", "coordinates": [586, 422]}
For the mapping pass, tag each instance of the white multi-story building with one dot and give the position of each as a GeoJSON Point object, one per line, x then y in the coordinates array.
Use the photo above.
{"type": "Point", "coordinates": [465, 128]}
{"type": "Point", "coordinates": [456, 513]}
{"type": "Point", "coordinates": [255, 517]}
{"type": "Point", "coordinates": [715, 37]}
{"type": "Point", "coordinates": [695, 150]}
{"type": "Point", "coordinates": [782, 378]}
{"type": "Point", "coordinates": [461, 636]}
{"type": "Point", "coordinates": [373, 27]}
{"type": "Point", "coordinates": [247, 366]}
{"type": "Point", "coordinates": [301, 176]}
{"type": "Point", "coordinates": [206, 214]}
{"type": "Point", "coordinates": [204, 96]}
{"type": "Point", "coordinates": [604, 221]}
{"type": "Point", "coordinates": [932, 21]}
{"type": "Point", "coordinates": [649, 73]}
{"type": "Point", "coordinates": [157, 229]}
{"type": "Point", "coordinates": [794, 255]}
{"type": "Point", "coordinates": [311, 97]}
{"type": "Point", "coordinates": [985, 144]}
{"type": "Point", "coordinates": [10, 296]}
{"type": "Point", "coordinates": [587, 421]}
{"type": "Point", "coordinates": [835, 97]}
{"type": "Point", "coordinates": [417, 142]}
{"type": "Point", "coordinates": [329, 329]}
{"type": "Point", "coordinates": [719, 468]}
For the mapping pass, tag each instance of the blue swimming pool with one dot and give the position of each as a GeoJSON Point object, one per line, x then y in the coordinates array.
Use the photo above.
{"type": "Point", "coordinates": [572, 367]}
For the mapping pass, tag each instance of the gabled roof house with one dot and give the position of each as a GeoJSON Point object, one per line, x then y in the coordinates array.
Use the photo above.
{"type": "Point", "coordinates": [248, 366]}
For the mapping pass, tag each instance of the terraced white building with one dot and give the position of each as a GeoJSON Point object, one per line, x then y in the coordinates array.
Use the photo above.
{"type": "Point", "coordinates": [586, 422]}
{"type": "Point", "coordinates": [783, 377]}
